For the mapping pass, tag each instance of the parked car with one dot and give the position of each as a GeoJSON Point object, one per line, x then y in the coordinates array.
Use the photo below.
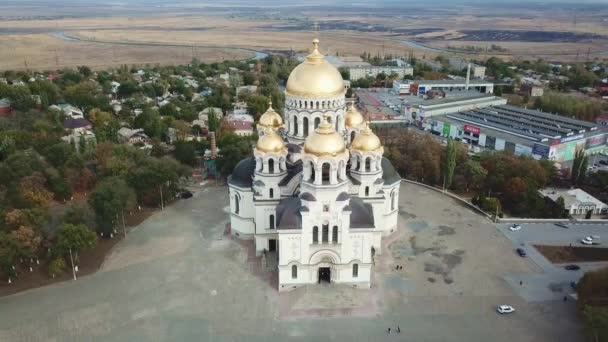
{"type": "Point", "coordinates": [185, 195]}
{"type": "Point", "coordinates": [505, 309]}
{"type": "Point", "coordinates": [521, 252]}
{"type": "Point", "coordinates": [603, 162]}
{"type": "Point", "coordinates": [562, 225]}
{"type": "Point", "coordinates": [515, 227]}
{"type": "Point", "coordinates": [572, 267]}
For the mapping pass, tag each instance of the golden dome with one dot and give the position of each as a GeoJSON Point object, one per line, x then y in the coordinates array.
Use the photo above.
{"type": "Point", "coordinates": [353, 118]}
{"type": "Point", "coordinates": [270, 142]}
{"type": "Point", "coordinates": [271, 119]}
{"type": "Point", "coordinates": [325, 141]}
{"type": "Point", "coordinates": [366, 141]}
{"type": "Point", "coordinates": [315, 77]}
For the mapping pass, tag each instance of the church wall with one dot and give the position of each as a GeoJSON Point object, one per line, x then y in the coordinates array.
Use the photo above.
{"type": "Point", "coordinates": [243, 222]}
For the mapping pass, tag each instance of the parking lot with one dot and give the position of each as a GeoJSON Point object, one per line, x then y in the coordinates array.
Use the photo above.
{"type": "Point", "coordinates": [553, 283]}
{"type": "Point", "coordinates": [178, 277]}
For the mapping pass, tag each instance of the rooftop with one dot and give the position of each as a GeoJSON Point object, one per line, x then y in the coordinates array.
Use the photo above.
{"type": "Point", "coordinates": [572, 197]}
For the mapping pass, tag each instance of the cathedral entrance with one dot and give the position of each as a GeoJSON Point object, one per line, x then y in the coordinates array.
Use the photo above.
{"type": "Point", "coordinates": [324, 275]}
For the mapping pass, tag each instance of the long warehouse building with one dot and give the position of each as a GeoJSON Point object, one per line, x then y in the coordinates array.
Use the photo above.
{"type": "Point", "coordinates": [521, 131]}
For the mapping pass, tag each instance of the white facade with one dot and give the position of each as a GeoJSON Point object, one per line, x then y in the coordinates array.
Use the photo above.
{"type": "Point", "coordinates": [358, 72]}
{"type": "Point", "coordinates": [320, 212]}
{"type": "Point", "coordinates": [576, 201]}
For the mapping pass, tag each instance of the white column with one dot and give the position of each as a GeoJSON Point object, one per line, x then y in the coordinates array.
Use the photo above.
{"type": "Point", "coordinates": [333, 173]}
{"type": "Point", "coordinates": [283, 165]}
{"type": "Point", "coordinates": [318, 175]}
{"type": "Point", "coordinates": [306, 171]}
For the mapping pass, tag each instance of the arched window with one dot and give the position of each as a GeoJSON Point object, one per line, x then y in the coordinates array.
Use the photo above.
{"type": "Point", "coordinates": [393, 200]}
{"type": "Point", "coordinates": [317, 122]}
{"type": "Point", "coordinates": [312, 172]}
{"type": "Point", "coordinates": [355, 270]}
{"type": "Point", "coordinates": [352, 136]}
{"type": "Point", "coordinates": [325, 234]}
{"type": "Point", "coordinates": [271, 221]}
{"type": "Point", "coordinates": [315, 234]}
{"type": "Point", "coordinates": [270, 165]}
{"type": "Point", "coordinates": [294, 272]}
{"type": "Point", "coordinates": [295, 125]}
{"type": "Point", "coordinates": [368, 164]}
{"type": "Point", "coordinates": [366, 191]}
{"type": "Point", "coordinates": [334, 234]}
{"type": "Point", "coordinates": [317, 107]}
{"type": "Point", "coordinates": [236, 204]}
{"type": "Point", "coordinates": [325, 171]}
{"type": "Point", "coordinates": [271, 195]}
{"type": "Point", "coordinates": [305, 128]}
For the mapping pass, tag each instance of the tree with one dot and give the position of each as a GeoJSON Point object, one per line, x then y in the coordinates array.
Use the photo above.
{"type": "Point", "coordinates": [127, 88]}
{"type": "Point", "coordinates": [185, 152]}
{"type": "Point", "coordinates": [257, 105]}
{"type": "Point", "coordinates": [579, 167]}
{"type": "Point", "coordinates": [474, 174]}
{"type": "Point", "coordinates": [151, 122]}
{"type": "Point", "coordinates": [233, 149]}
{"type": "Point", "coordinates": [109, 200]}
{"type": "Point", "coordinates": [449, 163]}
{"type": "Point", "coordinates": [33, 191]}
{"type": "Point", "coordinates": [72, 239]}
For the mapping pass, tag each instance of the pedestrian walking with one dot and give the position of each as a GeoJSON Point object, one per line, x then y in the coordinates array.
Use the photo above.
{"type": "Point", "coordinates": [389, 331]}
{"type": "Point", "coordinates": [521, 283]}
{"type": "Point", "coordinates": [398, 330]}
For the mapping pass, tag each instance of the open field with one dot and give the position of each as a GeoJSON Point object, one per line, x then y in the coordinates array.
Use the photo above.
{"type": "Point", "coordinates": [218, 32]}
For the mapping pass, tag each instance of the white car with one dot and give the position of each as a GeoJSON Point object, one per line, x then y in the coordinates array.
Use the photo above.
{"type": "Point", "coordinates": [515, 227]}
{"type": "Point", "coordinates": [591, 240]}
{"type": "Point", "coordinates": [505, 309]}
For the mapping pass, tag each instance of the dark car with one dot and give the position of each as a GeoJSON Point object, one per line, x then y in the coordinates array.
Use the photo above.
{"type": "Point", "coordinates": [562, 225]}
{"type": "Point", "coordinates": [572, 267]}
{"type": "Point", "coordinates": [521, 252]}
{"type": "Point", "coordinates": [185, 195]}
{"type": "Point", "coordinates": [603, 162]}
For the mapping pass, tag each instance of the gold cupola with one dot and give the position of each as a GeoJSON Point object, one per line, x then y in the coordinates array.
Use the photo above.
{"type": "Point", "coordinates": [315, 77]}
{"type": "Point", "coordinates": [325, 141]}
{"type": "Point", "coordinates": [353, 118]}
{"type": "Point", "coordinates": [270, 142]}
{"type": "Point", "coordinates": [270, 119]}
{"type": "Point", "coordinates": [366, 141]}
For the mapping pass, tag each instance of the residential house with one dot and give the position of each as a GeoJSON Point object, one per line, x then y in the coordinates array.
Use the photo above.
{"type": "Point", "coordinates": [69, 110]}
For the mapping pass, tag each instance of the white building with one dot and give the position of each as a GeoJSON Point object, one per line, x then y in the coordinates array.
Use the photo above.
{"type": "Point", "coordinates": [401, 87]}
{"type": "Point", "coordinates": [320, 202]}
{"type": "Point", "coordinates": [576, 201]}
{"type": "Point", "coordinates": [70, 111]}
{"type": "Point", "coordinates": [357, 72]}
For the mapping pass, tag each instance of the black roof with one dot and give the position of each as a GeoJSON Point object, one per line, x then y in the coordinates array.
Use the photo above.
{"type": "Point", "coordinates": [288, 213]}
{"type": "Point", "coordinates": [75, 123]}
{"type": "Point", "coordinates": [343, 196]}
{"type": "Point", "coordinates": [362, 215]}
{"type": "Point", "coordinates": [389, 174]}
{"type": "Point", "coordinates": [307, 196]}
{"type": "Point", "coordinates": [292, 171]}
{"type": "Point", "coordinates": [242, 175]}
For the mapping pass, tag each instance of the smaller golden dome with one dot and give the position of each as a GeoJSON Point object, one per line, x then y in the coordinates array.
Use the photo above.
{"type": "Point", "coordinates": [271, 119]}
{"type": "Point", "coordinates": [270, 142]}
{"type": "Point", "coordinates": [366, 141]}
{"type": "Point", "coordinates": [325, 141]}
{"type": "Point", "coordinates": [353, 118]}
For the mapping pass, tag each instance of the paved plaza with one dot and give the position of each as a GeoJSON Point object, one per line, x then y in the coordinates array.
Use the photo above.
{"type": "Point", "coordinates": [179, 277]}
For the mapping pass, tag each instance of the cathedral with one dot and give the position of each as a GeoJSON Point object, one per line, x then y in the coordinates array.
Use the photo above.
{"type": "Point", "coordinates": [317, 193]}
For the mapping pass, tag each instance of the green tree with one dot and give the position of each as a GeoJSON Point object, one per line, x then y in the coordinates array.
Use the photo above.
{"type": "Point", "coordinates": [73, 239]}
{"type": "Point", "coordinates": [185, 152]}
{"type": "Point", "coordinates": [127, 89]}
{"type": "Point", "coordinates": [449, 163]}
{"type": "Point", "coordinates": [109, 200]}
{"type": "Point", "coordinates": [151, 122]}
{"type": "Point", "coordinates": [579, 167]}
{"type": "Point", "coordinates": [257, 105]}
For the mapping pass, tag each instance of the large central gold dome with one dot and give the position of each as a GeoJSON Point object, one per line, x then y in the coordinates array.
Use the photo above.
{"type": "Point", "coordinates": [315, 77]}
{"type": "Point", "coordinates": [325, 141]}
